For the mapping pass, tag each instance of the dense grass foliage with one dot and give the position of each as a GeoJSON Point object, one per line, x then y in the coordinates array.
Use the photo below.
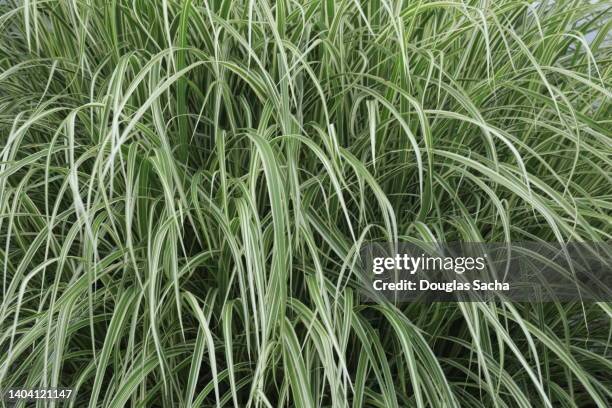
{"type": "Point", "coordinates": [184, 187]}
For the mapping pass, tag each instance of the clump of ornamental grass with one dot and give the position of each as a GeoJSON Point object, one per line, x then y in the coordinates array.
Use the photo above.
{"type": "Point", "coordinates": [185, 185]}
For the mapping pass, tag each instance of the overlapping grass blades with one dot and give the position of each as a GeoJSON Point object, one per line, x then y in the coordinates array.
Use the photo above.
{"type": "Point", "coordinates": [184, 186]}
